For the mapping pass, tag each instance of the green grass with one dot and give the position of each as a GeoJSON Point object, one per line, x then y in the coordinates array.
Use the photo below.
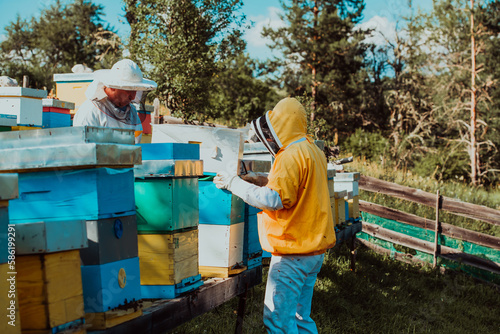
{"type": "Point", "coordinates": [382, 296]}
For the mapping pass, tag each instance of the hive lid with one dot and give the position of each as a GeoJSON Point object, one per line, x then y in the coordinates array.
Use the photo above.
{"type": "Point", "coordinates": [58, 104]}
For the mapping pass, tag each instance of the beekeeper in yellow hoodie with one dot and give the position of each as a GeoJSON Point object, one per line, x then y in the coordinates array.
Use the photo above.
{"type": "Point", "coordinates": [296, 224]}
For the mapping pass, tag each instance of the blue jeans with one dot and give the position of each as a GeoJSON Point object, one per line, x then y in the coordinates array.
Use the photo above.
{"type": "Point", "coordinates": [289, 290]}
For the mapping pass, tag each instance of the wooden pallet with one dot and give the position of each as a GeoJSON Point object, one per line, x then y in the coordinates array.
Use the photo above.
{"type": "Point", "coordinates": [221, 272]}
{"type": "Point", "coordinates": [112, 318]}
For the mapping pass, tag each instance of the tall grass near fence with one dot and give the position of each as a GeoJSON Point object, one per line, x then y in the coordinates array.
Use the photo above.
{"type": "Point", "coordinates": [464, 192]}
{"type": "Point", "coordinates": [382, 296]}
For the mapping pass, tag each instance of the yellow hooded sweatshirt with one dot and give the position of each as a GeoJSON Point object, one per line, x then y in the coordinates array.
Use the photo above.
{"type": "Point", "coordinates": [305, 225]}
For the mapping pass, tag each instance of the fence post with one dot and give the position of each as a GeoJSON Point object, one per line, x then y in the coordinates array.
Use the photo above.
{"type": "Point", "coordinates": [436, 231]}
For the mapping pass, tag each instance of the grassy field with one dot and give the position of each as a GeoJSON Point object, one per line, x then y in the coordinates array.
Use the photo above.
{"type": "Point", "coordinates": [382, 296]}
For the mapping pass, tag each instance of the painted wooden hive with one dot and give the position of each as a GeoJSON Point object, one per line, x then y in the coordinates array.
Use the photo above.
{"type": "Point", "coordinates": [349, 183]}
{"type": "Point", "coordinates": [24, 103]}
{"type": "Point", "coordinates": [76, 186]}
{"type": "Point", "coordinates": [166, 192]}
{"type": "Point", "coordinates": [221, 215]}
{"type": "Point", "coordinates": [56, 113]}
{"type": "Point", "coordinates": [252, 251]}
{"type": "Point", "coordinates": [9, 305]}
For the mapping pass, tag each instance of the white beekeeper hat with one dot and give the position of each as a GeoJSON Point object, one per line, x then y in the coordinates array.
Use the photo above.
{"type": "Point", "coordinates": [125, 75]}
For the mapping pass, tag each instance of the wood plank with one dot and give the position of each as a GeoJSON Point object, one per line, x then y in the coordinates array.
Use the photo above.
{"type": "Point", "coordinates": [407, 258]}
{"type": "Point", "coordinates": [460, 208]}
{"type": "Point", "coordinates": [104, 320]}
{"type": "Point", "coordinates": [426, 246]}
{"type": "Point", "coordinates": [220, 272]}
{"type": "Point", "coordinates": [446, 229]}
{"type": "Point", "coordinates": [165, 315]}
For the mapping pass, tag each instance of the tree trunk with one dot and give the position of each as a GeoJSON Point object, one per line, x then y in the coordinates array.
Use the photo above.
{"type": "Point", "coordinates": [473, 147]}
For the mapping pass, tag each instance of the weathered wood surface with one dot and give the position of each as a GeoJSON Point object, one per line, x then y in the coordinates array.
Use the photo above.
{"type": "Point", "coordinates": [446, 229]}
{"type": "Point", "coordinates": [165, 315]}
{"type": "Point", "coordinates": [428, 247]}
{"type": "Point", "coordinates": [463, 209]}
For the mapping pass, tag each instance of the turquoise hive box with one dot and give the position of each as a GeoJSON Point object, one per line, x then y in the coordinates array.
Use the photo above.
{"type": "Point", "coordinates": [166, 187]}
{"type": "Point", "coordinates": [219, 207]}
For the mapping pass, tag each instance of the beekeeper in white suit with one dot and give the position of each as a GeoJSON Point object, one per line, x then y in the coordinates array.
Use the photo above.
{"type": "Point", "coordinates": [109, 97]}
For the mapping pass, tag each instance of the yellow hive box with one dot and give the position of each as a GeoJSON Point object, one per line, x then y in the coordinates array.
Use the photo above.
{"type": "Point", "coordinates": [49, 289]}
{"type": "Point", "coordinates": [354, 207]}
{"type": "Point", "coordinates": [338, 207]}
{"type": "Point", "coordinates": [167, 259]}
{"type": "Point", "coordinates": [71, 87]}
{"type": "Point", "coordinates": [9, 306]}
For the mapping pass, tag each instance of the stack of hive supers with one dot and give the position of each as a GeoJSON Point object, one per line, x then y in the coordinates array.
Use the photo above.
{"type": "Point", "coordinates": [68, 190]}
{"type": "Point", "coordinates": [221, 214]}
{"type": "Point", "coordinates": [56, 113]}
{"type": "Point", "coordinates": [348, 182]}
{"type": "Point", "coordinates": [21, 108]}
{"type": "Point", "coordinates": [145, 115]}
{"type": "Point", "coordinates": [166, 194]}
{"type": "Point", "coordinates": [9, 307]}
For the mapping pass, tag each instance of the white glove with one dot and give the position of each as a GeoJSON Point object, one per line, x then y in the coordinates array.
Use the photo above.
{"type": "Point", "coordinates": [259, 197]}
{"type": "Point", "coordinates": [223, 180]}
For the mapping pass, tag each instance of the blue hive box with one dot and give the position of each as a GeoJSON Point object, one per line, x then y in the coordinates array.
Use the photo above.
{"type": "Point", "coordinates": [171, 291]}
{"type": "Point", "coordinates": [87, 194]}
{"type": "Point", "coordinates": [4, 222]}
{"type": "Point", "coordinates": [110, 285]}
{"type": "Point", "coordinates": [219, 207]}
{"type": "Point", "coordinates": [252, 244]}
{"type": "Point", "coordinates": [170, 151]}
{"type": "Point", "coordinates": [55, 120]}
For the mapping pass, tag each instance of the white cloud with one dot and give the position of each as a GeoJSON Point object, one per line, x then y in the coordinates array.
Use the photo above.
{"type": "Point", "coordinates": [384, 31]}
{"type": "Point", "coordinates": [271, 20]}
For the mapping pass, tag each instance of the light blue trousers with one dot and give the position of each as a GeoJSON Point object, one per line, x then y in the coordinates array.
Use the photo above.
{"type": "Point", "coordinates": [289, 290]}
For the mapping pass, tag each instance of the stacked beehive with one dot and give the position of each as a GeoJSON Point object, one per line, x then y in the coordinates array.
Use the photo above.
{"type": "Point", "coordinates": [144, 111]}
{"type": "Point", "coordinates": [72, 86]}
{"type": "Point", "coordinates": [65, 182]}
{"type": "Point", "coordinates": [221, 214]}
{"type": "Point", "coordinates": [166, 194]}
{"type": "Point", "coordinates": [56, 113]}
{"type": "Point", "coordinates": [21, 108]}
{"type": "Point", "coordinates": [348, 182]}
{"type": "Point", "coordinates": [9, 307]}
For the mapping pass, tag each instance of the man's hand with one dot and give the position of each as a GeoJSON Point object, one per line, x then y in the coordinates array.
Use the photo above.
{"type": "Point", "coordinates": [223, 180]}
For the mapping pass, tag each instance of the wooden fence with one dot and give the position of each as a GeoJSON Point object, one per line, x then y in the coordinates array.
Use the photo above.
{"type": "Point", "coordinates": [409, 237]}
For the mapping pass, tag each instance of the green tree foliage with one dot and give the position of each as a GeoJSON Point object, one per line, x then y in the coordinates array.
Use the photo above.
{"type": "Point", "coordinates": [64, 35]}
{"type": "Point", "coordinates": [193, 50]}
{"type": "Point", "coordinates": [323, 57]}
{"type": "Point", "coordinates": [239, 97]}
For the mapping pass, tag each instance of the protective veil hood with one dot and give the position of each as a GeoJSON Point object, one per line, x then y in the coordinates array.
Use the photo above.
{"type": "Point", "coordinates": [279, 127]}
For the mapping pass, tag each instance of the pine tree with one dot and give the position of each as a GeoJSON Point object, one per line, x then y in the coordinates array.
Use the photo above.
{"type": "Point", "coordinates": [323, 58]}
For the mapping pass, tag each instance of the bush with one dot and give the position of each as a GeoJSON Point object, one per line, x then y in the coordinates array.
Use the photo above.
{"type": "Point", "coordinates": [371, 145]}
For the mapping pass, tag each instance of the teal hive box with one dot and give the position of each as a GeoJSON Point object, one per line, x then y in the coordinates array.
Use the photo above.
{"type": "Point", "coordinates": [110, 285]}
{"type": "Point", "coordinates": [251, 246]}
{"type": "Point", "coordinates": [219, 207]}
{"type": "Point", "coordinates": [170, 151]}
{"type": "Point", "coordinates": [87, 194]}
{"type": "Point", "coordinates": [4, 231]}
{"type": "Point", "coordinates": [165, 205]}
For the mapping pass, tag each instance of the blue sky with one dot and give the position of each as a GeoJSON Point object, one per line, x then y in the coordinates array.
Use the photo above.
{"type": "Point", "coordinates": [380, 14]}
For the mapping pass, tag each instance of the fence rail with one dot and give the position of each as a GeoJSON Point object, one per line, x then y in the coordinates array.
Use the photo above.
{"type": "Point", "coordinates": [451, 243]}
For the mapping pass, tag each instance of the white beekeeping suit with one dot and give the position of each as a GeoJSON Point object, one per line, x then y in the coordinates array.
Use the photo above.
{"type": "Point", "coordinates": [100, 109]}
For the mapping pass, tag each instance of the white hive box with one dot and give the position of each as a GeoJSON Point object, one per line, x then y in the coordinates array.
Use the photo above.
{"type": "Point", "coordinates": [24, 103]}
{"type": "Point", "coordinates": [221, 149]}
{"type": "Point", "coordinates": [220, 245]}
{"type": "Point", "coordinates": [347, 182]}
